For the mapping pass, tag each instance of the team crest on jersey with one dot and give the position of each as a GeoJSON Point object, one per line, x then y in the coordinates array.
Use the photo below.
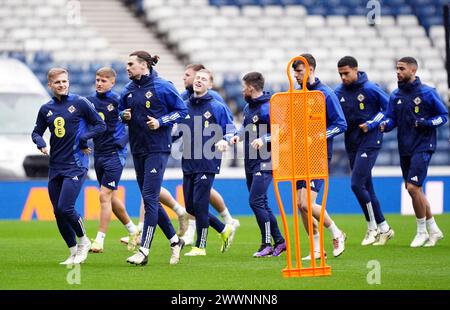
{"type": "Point", "coordinates": [148, 94]}
{"type": "Point", "coordinates": [417, 100]}
{"type": "Point", "coordinates": [71, 109]}
{"type": "Point", "coordinates": [361, 97]}
{"type": "Point", "coordinates": [130, 95]}
{"type": "Point", "coordinates": [207, 114]}
{"type": "Point", "coordinates": [342, 99]}
{"type": "Point", "coordinates": [399, 101]}
{"type": "Point", "coordinates": [255, 118]}
{"type": "Point", "coordinates": [50, 113]}
{"type": "Point", "coordinates": [110, 107]}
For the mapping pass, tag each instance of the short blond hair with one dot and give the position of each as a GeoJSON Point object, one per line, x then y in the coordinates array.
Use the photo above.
{"type": "Point", "coordinates": [55, 72]}
{"type": "Point", "coordinates": [106, 72]}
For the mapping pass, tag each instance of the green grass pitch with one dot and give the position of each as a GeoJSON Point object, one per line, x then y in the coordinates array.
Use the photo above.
{"type": "Point", "coordinates": [31, 252]}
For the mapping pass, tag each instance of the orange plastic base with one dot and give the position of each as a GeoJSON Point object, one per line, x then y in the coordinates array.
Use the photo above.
{"type": "Point", "coordinates": [307, 272]}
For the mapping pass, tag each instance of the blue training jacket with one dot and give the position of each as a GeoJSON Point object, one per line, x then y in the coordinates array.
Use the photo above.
{"type": "Point", "coordinates": [204, 113]}
{"type": "Point", "coordinates": [410, 103]}
{"type": "Point", "coordinates": [336, 123]}
{"type": "Point", "coordinates": [68, 121]}
{"type": "Point", "coordinates": [115, 138]}
{"type": "Point", "coordinates": [155, 97]}
{"type": "Point", "coordinates": [256, 124]}
{"type": "Point", "coordinates": [362, 102]}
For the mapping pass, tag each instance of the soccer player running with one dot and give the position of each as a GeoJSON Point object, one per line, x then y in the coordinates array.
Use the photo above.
{"type": "Point", "coordinates": [201, 162]}
{"type": "Point", "coordinates": [216, 200]}
{"type": "Point", "coordinates": [110, 152]}
{"type": "Point", "coordinates": [255, 132]}
{"type": "Point", "coordinates": [364, 104]}
{"type": "Point", "coordinates": [150, 106]}
{"type": "Point", "coordinates": [187, 227]}
{"type": "Point", "coordinates": [336, 124]}
{"type": "Point", "coordinates": [67, 116]}
{"type": "Point", "coordinates": [416, 110]}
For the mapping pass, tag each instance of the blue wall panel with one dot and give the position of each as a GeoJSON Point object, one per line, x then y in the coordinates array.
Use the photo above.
{"type": "Point", "coordinates": [14, 195]}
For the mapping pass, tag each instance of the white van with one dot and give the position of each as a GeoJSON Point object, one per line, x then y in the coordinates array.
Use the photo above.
{"type": "Point", "coordinates": [21, 96]}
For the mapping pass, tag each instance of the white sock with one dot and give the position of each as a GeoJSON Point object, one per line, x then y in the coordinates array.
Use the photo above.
{"type": "Point", "coordinates": [432, 226]}
{"type": "Point", "coordinates": [371, 225]}
{"type": "Point", "coordinates": [178, 209]}
{"type": "Point", "coordinates": [73, 250]}
{"type": "Point", "coordinates": [383, 227]}
{"type": "Point", "coordinates": [226, 216]}
{"type": "Point", "coordinates": [131, 227]}
{"type": "Point", "coordinates": [191, 229]}
{"type": "Point", "coordinates": [334, 230]}
{"type": "Point", "coordinates": [100, 237]}
{"type": "Point", "coordinates": [316, 238]}
{"type": "Point", "coordinates": [141, 226]}
{"type": "Point", "coordinates": [421, 227]}
{"type": "Point", "coordinates": [174, 239]}
{"type": "Point", "coordinates": [144, 250]}
{"type": "Point", "coordinates": [83, 239]}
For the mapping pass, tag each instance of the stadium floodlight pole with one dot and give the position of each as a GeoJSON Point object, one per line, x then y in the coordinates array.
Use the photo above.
{"type": "Point", "coordinates": [299, 153]}
{"type": "Point", "coordinates": [446, 9]}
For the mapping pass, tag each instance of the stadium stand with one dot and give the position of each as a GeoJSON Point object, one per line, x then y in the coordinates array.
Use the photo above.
{"type": "Point", "coordinates": [235, 36]}
{"type": "Point", "coordinates": [45, 33]}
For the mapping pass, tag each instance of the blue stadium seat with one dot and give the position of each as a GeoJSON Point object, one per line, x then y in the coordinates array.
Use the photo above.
{"type": "Point", "coordinates": [384, 159]}
{"type": "Point", "coordinates": [87, 79]}
{"type": "Point", "coordinates": [308, 3]}
{"type": "Point", "coordinates": [93, 67]}
{"type": "Point", "coordinates": [354, 3]}
{"type": "Point", "coordinates": [338, 10]}
{"type": "Point", "coordinates": [21, 56]}
{"type": "Point", "coordinates": [443, 133]}
{"type": "Point", "coordinates": [420, 2]}
{"type": "Point", "coordinates": [42, 57]}
{"type": "Point", "coordinates": [122, 78]}
{"type": "Point", "coordinates": [403, 10]}
{"type": "Point", "coordinates": [270, 2]}
{"type": "Point", "coordinates": [118, 66]}
{"type": "Point", "coordinates": [386, 10]}
{"type": "Point", "coordinates": [42, 78]}
{"type": "Point", "coordinates": [358, 10]}
{"type": "Point", "coordinates": [317, 10]}
{"type": "Point", "coordinates": [246, 2]}
{"type": "Point", "coordinates": [440, 3]}
{"type": "Point", "coordinates": [395, 3]}
{"type": "Point", "coordinates": [440, 158]}
{"type": "Point", "coordinates": [78, 89]}
{"type": "Point", "coordinates": [290, 2]}
{"type": "Point", "coordinates": [216, 2]}
{"type": "Point", "coordinates": [426, 10]}
{"type": "Point", "coordinates": [429, 21]}
{"type": "Point", "coordinates": [330, 3]}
